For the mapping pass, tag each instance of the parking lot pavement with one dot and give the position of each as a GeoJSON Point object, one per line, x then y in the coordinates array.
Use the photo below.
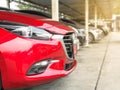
{"type": "Point", "coordinates": [97, 69]}
{"type": "Point", "coordinates": [110, 75]}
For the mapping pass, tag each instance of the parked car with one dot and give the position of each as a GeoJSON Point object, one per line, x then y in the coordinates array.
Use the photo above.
{"type": "Point", "coordinates": [33, 50]}
{"type": "Point", "coordinates": [104, 28]}
{"type": "Point", "coordinates": [95, 34]}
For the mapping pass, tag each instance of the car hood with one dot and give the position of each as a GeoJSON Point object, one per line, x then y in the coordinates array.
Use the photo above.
{"type": "Point", "coordinates": [55, 27]}
{"type": "Point", "coordinates": [37, 21]}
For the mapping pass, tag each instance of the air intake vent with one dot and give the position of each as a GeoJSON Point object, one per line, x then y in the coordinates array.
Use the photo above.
{"type": "Point", "coordinates": [68, 66]}
{"type": "Point", "coordinates": [68, 40]}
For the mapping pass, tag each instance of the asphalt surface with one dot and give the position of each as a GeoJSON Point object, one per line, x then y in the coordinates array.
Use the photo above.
{"type": "Point", "coordinates": [98, 68]}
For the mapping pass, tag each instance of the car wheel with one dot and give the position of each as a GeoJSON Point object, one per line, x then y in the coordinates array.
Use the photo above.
{"type": "Point", "coordinates": [91, 37]}
{"type": "Point", "coordinates": [81, 40]}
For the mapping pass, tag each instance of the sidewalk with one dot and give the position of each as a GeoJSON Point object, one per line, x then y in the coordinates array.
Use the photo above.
{"type": "Point", "coordinates": [98, 68]}
{"type": "Point", "coordinates": [110, 76]}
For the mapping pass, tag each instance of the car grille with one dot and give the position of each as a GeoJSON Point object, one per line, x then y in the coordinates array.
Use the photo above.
{"type": "Point", "coordinates": [68, 40]}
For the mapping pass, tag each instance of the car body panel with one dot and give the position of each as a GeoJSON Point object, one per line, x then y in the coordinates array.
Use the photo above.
{"type": "Point", "coordinates": [33, 20]}
{"type": "Point", "coordinates": [18, 53]}
{"type": "Point", "coordinates": [96, 33]}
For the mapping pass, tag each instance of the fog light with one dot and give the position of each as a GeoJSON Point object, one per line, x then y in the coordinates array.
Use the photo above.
{"type": "Point", "coordinates": [38, 67]}
{"type": "Point", "coordinates": [42, 63]}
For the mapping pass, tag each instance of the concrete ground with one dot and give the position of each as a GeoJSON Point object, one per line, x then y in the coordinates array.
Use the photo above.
{"type": "Point", "coordinates": [98, 68]}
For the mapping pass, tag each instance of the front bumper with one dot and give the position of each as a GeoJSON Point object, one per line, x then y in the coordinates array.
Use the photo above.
{"type": "Point", "coordinates": [16, 62]}
{"type": "Point", "coordinates": [98, 36]}
{"type": "Point", "coordinates": [49, 75]}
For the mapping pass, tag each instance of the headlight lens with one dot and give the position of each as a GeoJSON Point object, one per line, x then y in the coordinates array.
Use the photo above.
{"type": "Point", "coordinates": [38, 67]}
{"type": "Point", "coordinates": [32, 32]}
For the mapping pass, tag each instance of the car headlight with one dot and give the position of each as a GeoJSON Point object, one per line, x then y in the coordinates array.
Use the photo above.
{"type": "Point", "coordinates": [33, 32]}
{"type": "Point", "coordinates": [38, 67]}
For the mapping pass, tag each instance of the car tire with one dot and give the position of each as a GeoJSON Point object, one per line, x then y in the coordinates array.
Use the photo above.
{"type": "Point", "coordinates": [91, 37]}
{"type": "Point", "coordinates": [81, 40]}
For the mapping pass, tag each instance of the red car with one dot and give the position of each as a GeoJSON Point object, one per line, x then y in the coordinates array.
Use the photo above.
{"type": "Point", "coordinates": [33, 50]}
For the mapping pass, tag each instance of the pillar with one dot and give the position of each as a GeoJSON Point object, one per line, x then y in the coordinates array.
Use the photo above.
{"type": "Point", "coordinates": [96, 16]}
{"type": "Point", "coordinates": [55, 10]}
{"type": "Point", "coordinates": [86, 22]}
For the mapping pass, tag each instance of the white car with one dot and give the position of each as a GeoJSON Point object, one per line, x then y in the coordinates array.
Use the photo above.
{"type": "Point", "coordinates": [95, 34]}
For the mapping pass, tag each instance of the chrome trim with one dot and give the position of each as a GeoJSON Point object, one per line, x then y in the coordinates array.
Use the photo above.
{"type": "Point", "coordinates": [68, 41]}
{"type": "Point", "coordinates": [60, 38]}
